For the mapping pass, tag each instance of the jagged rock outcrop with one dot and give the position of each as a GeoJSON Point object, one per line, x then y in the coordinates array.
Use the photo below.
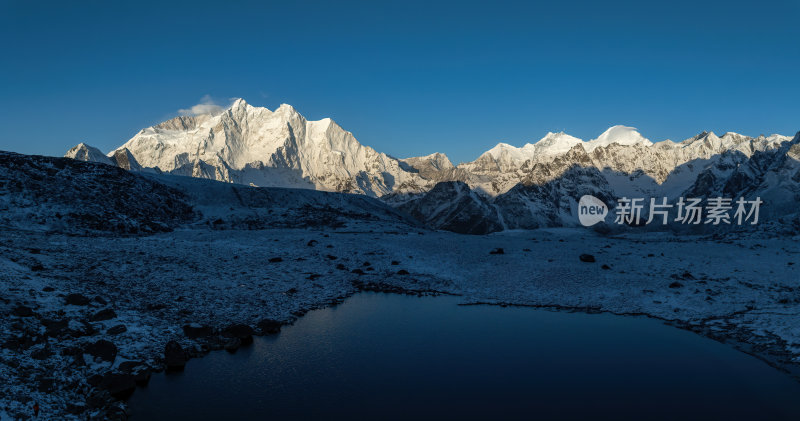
{"type": "Point", "coordinates": [453, 206]}
{"type": "Point", "coordinates": [65, 195]}
{"type": "Point", "coordinates": [125, 160]}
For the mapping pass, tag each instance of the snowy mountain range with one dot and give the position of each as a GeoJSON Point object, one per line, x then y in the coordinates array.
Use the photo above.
{"type": "Point", "coordinates": [256, 146]}
{"type": "Point", "coordinates": [506, 187]}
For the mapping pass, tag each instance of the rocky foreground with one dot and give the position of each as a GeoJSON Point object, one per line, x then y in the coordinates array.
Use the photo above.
{"type": "Point", "coordinates": [87, 318]}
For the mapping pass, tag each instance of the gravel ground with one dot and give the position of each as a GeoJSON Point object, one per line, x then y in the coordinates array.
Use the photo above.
{"type": "Point", "coordinates": [86, 318]}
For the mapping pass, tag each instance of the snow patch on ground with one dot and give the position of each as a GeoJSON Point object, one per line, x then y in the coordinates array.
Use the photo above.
{"type": "Point", "coordinates": [739, 289]}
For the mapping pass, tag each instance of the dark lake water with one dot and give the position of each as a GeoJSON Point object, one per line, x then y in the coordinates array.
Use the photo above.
{"type": "Point", "coordinates": [386, 356]}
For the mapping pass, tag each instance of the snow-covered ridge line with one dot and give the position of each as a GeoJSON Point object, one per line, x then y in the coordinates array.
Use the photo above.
{"type": "Point", "coordinates": [183, 131]}
{"type": "Point", "coordinates": [67, 196]}
{"type": "Point", "coordinates": [257, 146]}
{"type": "Point", "coordinates": [553, 144]}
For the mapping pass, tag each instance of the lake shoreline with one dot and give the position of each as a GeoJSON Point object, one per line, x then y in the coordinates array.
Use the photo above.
{"type": "Point", "coordinates": [736, 340]}
{"type": "Point", "coordinates": [252, 359]}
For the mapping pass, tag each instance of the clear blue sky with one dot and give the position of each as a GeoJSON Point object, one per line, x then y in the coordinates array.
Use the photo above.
{"type": "Point", "coordinates": [408, 78]}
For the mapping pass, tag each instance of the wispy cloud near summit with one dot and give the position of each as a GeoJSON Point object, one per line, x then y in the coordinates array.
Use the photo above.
{"type": "Point", "coordinates": [206, 106]}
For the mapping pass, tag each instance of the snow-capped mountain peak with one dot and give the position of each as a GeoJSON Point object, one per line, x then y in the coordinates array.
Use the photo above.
{"type": "Point", "coordinates": [556, 144]}
{"type": "Point", "coordinates": [84, 152]}
{"type": "Point", "coordinates": [286, 108]}
{"type": "Point", "coordinates": [436, 160]}
{"type": "Point", "coordinates": [734, 136]}
{"type": "Point", "coordinates": [508, 155]}
{"type": "Point", "coordinates": [254, 145]}
{"type": "Point", "coordinates": [621, 135]}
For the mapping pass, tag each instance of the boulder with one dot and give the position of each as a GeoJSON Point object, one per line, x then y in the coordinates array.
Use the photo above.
{"type": "Point", "coordinates": [240, 331]}
{"type": "Point", "coordinates": [130, 366]}
{"type": "Point", "coordinates": [103, 349]}
{"type": "Point", "coordinates": [46, 384]}
{"type": "Point", "coordinates": [23, 311]}
{"type": "Point", "coordinates": [116, 330]}
{"type": "Point", "coordinates": [42, 354]}
{"type": "Point", "coordinates": [118, 385]}
{"type": "Point", "coordinates": [142, 377]}
{"type": "Point", "coordinates": [105, 314]}
{"type": "Point", "coordinates": [233, 344]}
{"type": "Point", "coordinates": [269, 326]}
{"type": "Point", "coordinates": [174, 356]}
{"type": "Point", "coordinates": [195, 331]}
{"type": "Point", "coordinates": [75, 299]}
